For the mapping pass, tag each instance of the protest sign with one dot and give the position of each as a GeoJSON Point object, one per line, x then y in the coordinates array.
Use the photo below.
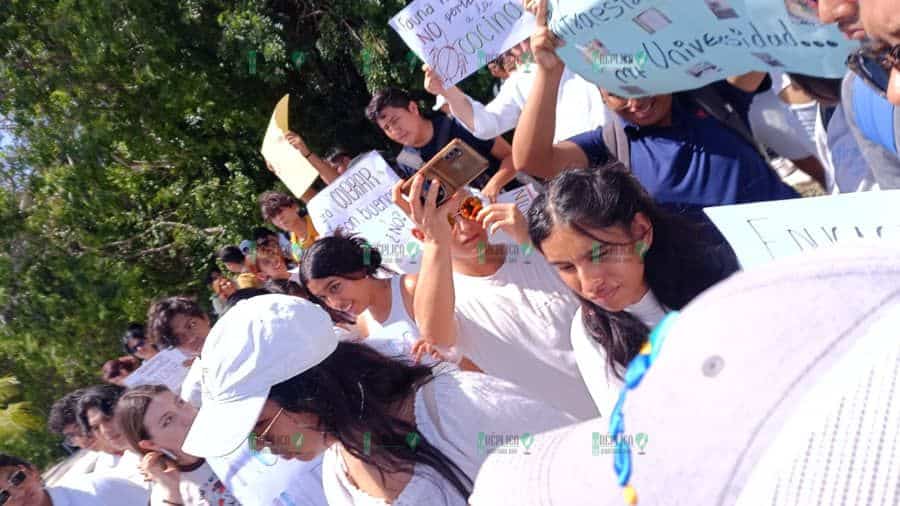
{"type": "Point", "coordinates": [359, 202]}
{"type": "Point", "coordinates": [165, 368]}
{"type": "Point", "coordinates": [764, 231]}
{"type": "Point", "coordinates": [646, 47]}
{"type": "Point", "coordinates": [289, 165]}
{"type": "Point", "coordinates": [457, 37]}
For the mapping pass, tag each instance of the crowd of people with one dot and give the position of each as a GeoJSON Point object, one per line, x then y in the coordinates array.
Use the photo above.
{"type": "Point", "coordinates": [410, 388]}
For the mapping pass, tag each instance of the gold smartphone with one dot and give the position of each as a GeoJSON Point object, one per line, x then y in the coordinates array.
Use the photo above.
{"type": "Point", "coordinates": [455, 166]}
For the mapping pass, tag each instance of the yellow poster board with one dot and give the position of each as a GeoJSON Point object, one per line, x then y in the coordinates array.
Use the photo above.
{"type": "Point", "coordinates": [289, 165]}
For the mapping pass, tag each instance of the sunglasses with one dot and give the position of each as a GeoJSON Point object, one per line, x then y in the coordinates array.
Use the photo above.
{"type": "Point", "coordinates": [15, 480]}
{"type": "Point", "coordinates": [131, 350]}
{"type": "Point", "coordinates": [468, 209]}
{"type": "Point", "coordinates": [874, 66]}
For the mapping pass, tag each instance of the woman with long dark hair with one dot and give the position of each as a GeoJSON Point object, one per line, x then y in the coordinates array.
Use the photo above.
{"type": "Point", "coordinates": [628, 261]}
{"type": "Point", "coordinates": [391, 431]}
{"type": "Point", "coordinates": [345, 274]}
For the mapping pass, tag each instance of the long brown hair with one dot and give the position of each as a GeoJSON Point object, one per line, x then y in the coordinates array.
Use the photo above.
{"type": "Point", "coordinates": [130, 412]}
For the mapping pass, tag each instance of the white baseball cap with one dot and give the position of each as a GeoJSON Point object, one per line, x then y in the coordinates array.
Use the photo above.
{"type": "Point", "coordinates": [257, 344]}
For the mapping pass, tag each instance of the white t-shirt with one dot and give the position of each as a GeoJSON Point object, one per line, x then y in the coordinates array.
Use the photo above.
{"type": "Point", "coordinates": [514, 324]}
{"type": "Point", "coordinates": [191, 386]}
{"type": "Point", "coordinates": [846, 169]}
{"type": "Point", "coordinates": [579, 106]}
{"type": "Point", "coordinates": [775, 124]}
{"type": "Point", "coordinates": [99, 490]}
{"type": "Point", "coordinates": [200, 487]}
{"type": "Point", "coordinates": [591, 357]}
{"type": "Point", "coordinates": [467, 416]}
{"type": "Point", "coordinates": [125, 466]}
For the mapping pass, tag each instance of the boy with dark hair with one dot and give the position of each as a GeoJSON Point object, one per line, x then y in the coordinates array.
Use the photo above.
{"type": "Point", "coordinates": [233, 259]}
{"type": "Point", "coordinates": [63, 420]}
{"type": "Point", "coordinates": [399, 118]}
{"type": "Point", "coordinates": [94, 413]}
{"type": "Point", "coordinates": [178, 322]}
{"type": "Point", "coordinates": [284, 212]}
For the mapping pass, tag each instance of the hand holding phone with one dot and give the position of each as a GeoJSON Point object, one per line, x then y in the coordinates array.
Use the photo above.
{"type": "Point", "coordinates": [454, 166]}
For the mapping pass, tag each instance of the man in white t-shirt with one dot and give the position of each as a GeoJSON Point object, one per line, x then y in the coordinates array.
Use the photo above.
{"type": "Point", "coordinates": [579, 105]}
{"type": "Point", "coordinates": [512, 310]}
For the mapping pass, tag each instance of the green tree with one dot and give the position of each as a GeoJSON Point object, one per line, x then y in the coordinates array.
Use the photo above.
{"type": "Point", "coordinates": [137, 129]}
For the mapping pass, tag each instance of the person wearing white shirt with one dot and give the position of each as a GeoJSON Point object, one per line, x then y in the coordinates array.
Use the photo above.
{"type": "Point", "coordinates": [513, 310]}
{"type": "Point", "coordinates": [628, 261]}
{"type": "Point", "coordinates": [344, 274]}
{"type": "Point", "coordinates": [21, 485]}
{"type": "Point", "coordinates": [579, 106]}
{"type": "Point", "coordinates": [155, 422]}
{"type": "Point", "coordinates": [392, 432]}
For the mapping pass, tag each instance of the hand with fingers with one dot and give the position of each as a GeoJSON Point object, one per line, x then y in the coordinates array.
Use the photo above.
{"type": "Point", "coordinates": [506, 217]}
{"type": "Point", "coordinates": [423, 348]}
{"type": "Point", "coordinates": [161, 470]}
{"type": "Point", "coordinates": [430, 219]}
{"type": "Point", "coordinates": [544, 42]}
{"type": "Point", "coordinates": [297, 143]}
{"type": "Point", "coordinates": [433, 82]}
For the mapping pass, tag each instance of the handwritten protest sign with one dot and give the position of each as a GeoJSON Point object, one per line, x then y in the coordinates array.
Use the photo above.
{"type": "Point", "coordinates": [646, 47]}
{"type": "Point", "coordinates": [166, 368]}
{"type": "Point", "coordinates": [765, 231]}
{"type": "Point", "coordinates": [457, 37]}
{"type": "Point", "coordinates": [359, 202]}
{"type": "Point", "coordinates": [289, 165]}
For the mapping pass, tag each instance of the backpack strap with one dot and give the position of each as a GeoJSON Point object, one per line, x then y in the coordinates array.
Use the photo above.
{"type": "Point", "coordinates": [716, 106]}
{"type": "Point", "coordinates": [616, 140]}
{"type": "Point", "coordinates": [443, 133]}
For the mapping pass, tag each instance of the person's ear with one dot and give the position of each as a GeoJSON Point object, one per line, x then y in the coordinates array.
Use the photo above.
{"type": "Point", "coordinates": [642, 230]}
{"type": "Point", "coordinates": [147, 445]}
{"type": "Point", "coordinates": [413, 107]}
{"type": "Point", "coordinates": [418, 234]}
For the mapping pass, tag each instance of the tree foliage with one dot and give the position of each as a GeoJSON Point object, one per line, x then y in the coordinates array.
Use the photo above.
{"type": "Point", "coordinates": [136, 130]}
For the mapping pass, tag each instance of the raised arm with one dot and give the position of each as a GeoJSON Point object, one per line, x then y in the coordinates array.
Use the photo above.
{"type": "Point", "coordinates": [533, 150]}
{"type": "Point", "coordinates": [434, 300]}
{"type": "Point", "coordinates": [325, 170]}
{"type": "Point", "coordinates": [456, 99]}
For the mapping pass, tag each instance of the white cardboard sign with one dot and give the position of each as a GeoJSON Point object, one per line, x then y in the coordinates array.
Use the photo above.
{"type": "Point", "coordinates": [762, 232]}
{"type": "Point", "coordinates": [165, 368]}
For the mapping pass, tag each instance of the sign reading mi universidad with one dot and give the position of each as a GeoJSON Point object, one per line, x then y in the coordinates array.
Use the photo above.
{"type": "Point", "coordinates": [689, 43]}
{"type": "Point", "coordinates": [604, 444]}
{"type": "Point", "coordinates": [447, 34]}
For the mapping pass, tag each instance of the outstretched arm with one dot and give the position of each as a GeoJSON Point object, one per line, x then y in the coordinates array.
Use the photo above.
{"type": "Point", "coordinates": [533, 150]}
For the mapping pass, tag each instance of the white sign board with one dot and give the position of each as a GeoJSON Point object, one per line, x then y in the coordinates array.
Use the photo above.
{"type": "Point", "coordinates": [522, 198]}
{"type": "Point", "coordinates": [764, 231]}
{"type": "Point", "coordinates": [165, 368]}
{"type": "Point", "coordinates": [289, 165]}
{"type": "Point", "coordinates": [457, 37]}
{"type": "Point", "coordinates": [359, 202]}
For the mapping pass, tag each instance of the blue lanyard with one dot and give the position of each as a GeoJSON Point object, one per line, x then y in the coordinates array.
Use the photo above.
{"type": "Point", "coordinates": [634, 373]}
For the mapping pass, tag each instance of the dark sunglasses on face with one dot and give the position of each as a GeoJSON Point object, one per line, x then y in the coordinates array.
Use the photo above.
{"type": "Point", "coordinates": [874, 65]}
{"type": "Point", "coordinates": [15, 480]}
{"type": "Point", "coordinates": [131, 350]}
